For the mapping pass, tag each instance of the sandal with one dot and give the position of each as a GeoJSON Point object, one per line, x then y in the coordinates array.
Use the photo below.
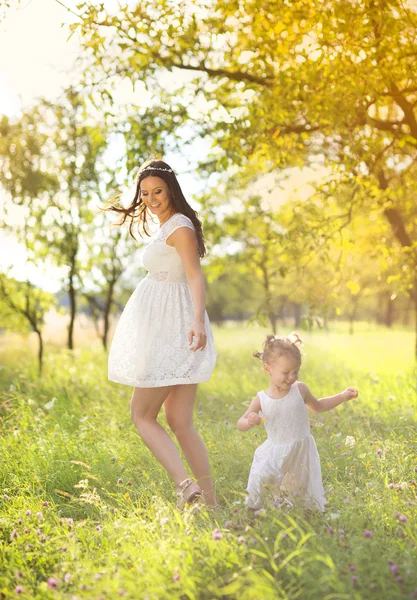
{"type": "Point", "coordinates": [182, 499]}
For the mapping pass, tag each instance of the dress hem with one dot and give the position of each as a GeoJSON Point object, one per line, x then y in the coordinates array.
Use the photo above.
{"type": "Point", "coordinates": [164, 383]}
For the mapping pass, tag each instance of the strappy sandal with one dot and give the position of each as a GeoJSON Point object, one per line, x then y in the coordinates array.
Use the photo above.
{"type": "Point", "coordinates": [182, 498]}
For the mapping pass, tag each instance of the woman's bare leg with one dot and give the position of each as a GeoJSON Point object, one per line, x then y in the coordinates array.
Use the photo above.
{"type": "Point", "coordinates": [179, 413]}
{"type": "Point", "coordinates": [144, 408]}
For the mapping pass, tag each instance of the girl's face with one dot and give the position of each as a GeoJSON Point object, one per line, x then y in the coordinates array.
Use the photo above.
{"type": "Point", "coordinates": [155, 195]}
{"type": "Point", "coordinates": [283, 371]}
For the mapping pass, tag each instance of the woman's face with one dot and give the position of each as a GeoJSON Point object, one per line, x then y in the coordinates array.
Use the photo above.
{"type": "Point", "coordinates": [155, 195]}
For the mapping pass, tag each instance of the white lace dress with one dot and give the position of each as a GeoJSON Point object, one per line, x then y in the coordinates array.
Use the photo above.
{"type": "Point", "coordinates": [287, 464]}
{"type": "Point", "coordinates": [150, 346]}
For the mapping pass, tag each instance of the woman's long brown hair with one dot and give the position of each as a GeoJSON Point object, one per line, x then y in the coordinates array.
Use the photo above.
{"type": "Point", "coordinates": [136, 212]}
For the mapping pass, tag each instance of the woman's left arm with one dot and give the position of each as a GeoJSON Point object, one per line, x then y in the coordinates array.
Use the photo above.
{"type": "Point", "coordinates": [184, 241]}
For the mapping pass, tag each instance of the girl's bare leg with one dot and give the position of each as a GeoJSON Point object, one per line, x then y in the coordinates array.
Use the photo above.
{"type": "Point", "coordinates": [179, 413]}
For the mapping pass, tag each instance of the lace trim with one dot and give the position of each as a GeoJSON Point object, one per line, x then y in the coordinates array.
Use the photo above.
{"type": "Point", "coordinates": [175, 222]}
{"type": "Point", "coordinates": [159, 275]}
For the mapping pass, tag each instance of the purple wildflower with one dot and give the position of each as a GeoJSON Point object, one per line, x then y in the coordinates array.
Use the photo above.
{"type": "Point", "coordinates": [19, 589]}
{"type": "Point", "coordinates": [367, 533]}
{"type": "Point", "coordinates": [52, 583]}
{"type": "Point", "coordinates": [217, 535]}
{"type": "Point", "coordinates": [14, 534]}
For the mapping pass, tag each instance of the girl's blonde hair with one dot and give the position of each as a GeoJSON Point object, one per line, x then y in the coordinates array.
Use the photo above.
{"type": "Point", "coordinates": [277, 345]}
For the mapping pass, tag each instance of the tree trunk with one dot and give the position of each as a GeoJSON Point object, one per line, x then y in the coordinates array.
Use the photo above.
{"type": "Point", "coordinates": [40, 351]}
{"type": "Point", "coordinates": [414, 297]}
{"type": "Point", "coordinates": [351, 324]}
{"type": "Point", "coordinates": [389, 314]}
{"type": "Point", "coordinates": [379, 311]}
{"type": "Point", "coordinates": [407, 310]}
{"type": "Point", "coordinates": [326, 321]}
{"type": "Point", "coordinates": [273, 320]}
{"type": "Point", "coordinates": [106, 312]}
{"type": "Point", "coordinates": [73, 305]}
{"type": "Point", "coordinates": [415, 324]}
{"type": "Point", "coordinates": [297, 314]}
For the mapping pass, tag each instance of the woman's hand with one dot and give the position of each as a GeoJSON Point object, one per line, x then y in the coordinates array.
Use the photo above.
{"type": "Point", "coordinates": [198, 332]}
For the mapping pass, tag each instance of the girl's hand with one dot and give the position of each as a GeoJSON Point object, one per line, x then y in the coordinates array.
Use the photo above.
{"type": "Point", "coordinates": [254, 419]}
{"type": "Point", "coordinates": [350, 393]}
{"type": "Point", "coordinates": [197, 331]}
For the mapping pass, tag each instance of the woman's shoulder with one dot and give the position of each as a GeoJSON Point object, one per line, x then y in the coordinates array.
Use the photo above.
{"type": "Point", "coordinates": [175, 222]}
{"type": "Point", "coordinates": [180, 219]}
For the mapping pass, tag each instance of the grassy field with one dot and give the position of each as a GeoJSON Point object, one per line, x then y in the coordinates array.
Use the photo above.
{"type": "Point", "coordinates": [86, 512]}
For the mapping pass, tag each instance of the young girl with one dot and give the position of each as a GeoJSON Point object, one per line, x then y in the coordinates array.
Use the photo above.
{"type": "Point", "coordinates": [287, 463]}
{"type": "Point", "coordinates": [163, 345]}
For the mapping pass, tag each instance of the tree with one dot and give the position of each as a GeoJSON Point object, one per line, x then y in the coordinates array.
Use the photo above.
{"type": "Point", "coordinates": [21, 303]}
{"type": "Point", "coordinates": [50, 166]}
{"type": "Point", "coordinates": [110, 253]}
{"type": "Point", "coordinates": [276, 84]}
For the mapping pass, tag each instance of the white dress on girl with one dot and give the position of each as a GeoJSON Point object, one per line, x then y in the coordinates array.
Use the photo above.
{"type": "Point", "coordinates": [150, 346]}
{"type": "Point", "coordinates": [287, 464]}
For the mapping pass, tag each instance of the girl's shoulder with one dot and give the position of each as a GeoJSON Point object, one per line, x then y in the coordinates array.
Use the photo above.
{"type": "Point", "coordinates": [302, 388]}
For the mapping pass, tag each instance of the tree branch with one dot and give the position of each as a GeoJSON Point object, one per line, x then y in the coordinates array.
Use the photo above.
{"type": "Point", "coordinates": [233, 75]}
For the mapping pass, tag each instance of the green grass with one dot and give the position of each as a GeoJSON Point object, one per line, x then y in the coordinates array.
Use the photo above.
{"type": "Point", "coordinates": [67, 439]}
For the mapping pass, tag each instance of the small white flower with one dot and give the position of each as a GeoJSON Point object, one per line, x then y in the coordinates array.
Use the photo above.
{"type": "Point", "coordinates": [350, 441]}
{"type": "Point", "coordinates": [334, 516]}
{"type": "Point", "coordinates": [83, 419]}
{"type": "Point", "coordinates": [50, 404]}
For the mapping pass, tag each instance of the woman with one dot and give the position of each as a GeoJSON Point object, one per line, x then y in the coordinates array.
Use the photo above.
{"type": "Point", "coordinates": [163, 345]}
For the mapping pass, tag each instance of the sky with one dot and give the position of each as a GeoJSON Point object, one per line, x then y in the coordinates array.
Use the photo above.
{"type": "Point", "coordinates": [37, 59]}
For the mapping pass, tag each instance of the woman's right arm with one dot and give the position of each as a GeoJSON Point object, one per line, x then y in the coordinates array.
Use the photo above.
{"type": "Point", "coordinates": [251, 417]}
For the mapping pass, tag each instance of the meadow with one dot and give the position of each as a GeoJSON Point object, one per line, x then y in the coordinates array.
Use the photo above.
{"type": "Point", "coordinates": [86, 512]}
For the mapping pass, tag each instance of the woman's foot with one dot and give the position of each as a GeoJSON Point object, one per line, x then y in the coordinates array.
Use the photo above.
{"type": "Point", "coordinates": [188, 493]}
